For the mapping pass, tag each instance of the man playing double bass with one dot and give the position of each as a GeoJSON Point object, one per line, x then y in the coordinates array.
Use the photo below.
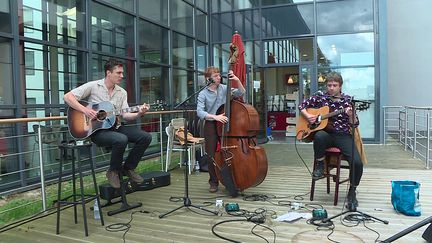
{"type": "Point", "coordinates": [209, 100]}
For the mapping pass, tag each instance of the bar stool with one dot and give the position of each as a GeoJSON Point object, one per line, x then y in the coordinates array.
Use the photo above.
{"type": "Point", "coordinates": [333, 160]}
{"type": "Point", "coordinates": [75, 148]}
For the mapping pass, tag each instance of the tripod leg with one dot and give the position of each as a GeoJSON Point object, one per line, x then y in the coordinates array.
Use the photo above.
{"type": "Point", "coordinates": [337, 215]}
{"type": "Point", "coordinates": [175, 209]}
{"type": "Point", "coordinates": [367, 215]}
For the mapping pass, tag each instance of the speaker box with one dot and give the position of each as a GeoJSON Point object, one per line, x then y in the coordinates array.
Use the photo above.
{"type": "Point", "coordinates": [427, 235]}
{"type": "Point", "coordinates": [151, 180]}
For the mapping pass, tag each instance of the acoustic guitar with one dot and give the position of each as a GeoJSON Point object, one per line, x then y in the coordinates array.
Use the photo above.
{"type": "Point", "coordinates": [305, 130]}
{"type": "Point", "coordinates": [80, 126]}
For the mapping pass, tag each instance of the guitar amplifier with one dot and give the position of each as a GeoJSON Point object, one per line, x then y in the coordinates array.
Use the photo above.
{"type": "Point", "coordinates": [151, 180]}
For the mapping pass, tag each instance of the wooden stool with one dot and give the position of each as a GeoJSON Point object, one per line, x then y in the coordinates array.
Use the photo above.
{"type": "Point", "coordinates": [332, 160]}
{"type": "Point", "coordinates": [80, 198]}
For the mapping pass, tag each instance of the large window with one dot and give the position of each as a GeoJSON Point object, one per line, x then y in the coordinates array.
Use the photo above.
{"type": "Point", "coordinates": [153, 43]}
{"type": "Point", "coordinates": [5, 17]}
{"type": "Point", "coordinates": [182, 51]}
{"type": "Point", "coordinates": [346, 50]}
{"type": "Point", "coordinates": [221, 54]}
{"type": "Point", "coordinates": [124, 4]}
{"type": "Point", "coordinates": [183, 85]}
{"type": "Point", "coordinates": [201, 26]}
{"type": "Point", "coordinates": [48, 72]}
{"type": "Point", "coordinates": [345, 16]}
{"type": "Point", "coordinates": [201, 56]}
{"type": "Point", "coordinates": [154, 10]}
{"type": "Point", "coordinates": [54, 21]}
{"type": "Point", "coordinates": [288, 20]}
{"type": "Point", "coordinates": [181, 17]}
{"type": "Point", "coordinates": [222, 27]}
{"type": "Point", "coordinates": [154, 85]}
{"type": "Point", "coordinates": [288, 51]}
{"type": "Point", "coordinates": [6, 81]}
{"type": "Point", "coordinates": [112, 31]}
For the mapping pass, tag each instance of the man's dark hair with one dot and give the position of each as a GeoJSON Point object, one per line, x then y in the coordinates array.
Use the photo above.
{"type": "Point", "coordinates": [111, 64]}
{"type": "Point", "coordinates": [334, 77]}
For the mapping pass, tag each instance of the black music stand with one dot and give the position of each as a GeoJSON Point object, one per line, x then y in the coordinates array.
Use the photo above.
{"type": "Point", "coordinates": [354, 210]}
{"type": "Point", "coordinates": [186, 200]}
{"type": "Point", "coordinates": [411, 229]}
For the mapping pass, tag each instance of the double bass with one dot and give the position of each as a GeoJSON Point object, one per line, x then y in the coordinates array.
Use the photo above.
{"type": "Point", "coordinates": [240, 163]}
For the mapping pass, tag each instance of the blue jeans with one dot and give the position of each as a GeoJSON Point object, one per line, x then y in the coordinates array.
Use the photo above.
{"type": "Point", "coordinates": [117, 140]}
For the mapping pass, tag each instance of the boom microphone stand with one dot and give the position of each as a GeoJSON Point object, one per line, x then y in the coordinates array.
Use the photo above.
{"type": "Point", "coordinates": [186, 200]}
{"type": "Point", "coordinates": [352, 210]}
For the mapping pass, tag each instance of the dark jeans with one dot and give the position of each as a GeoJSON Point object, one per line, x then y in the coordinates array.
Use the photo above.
{"type": "Point", "coordinates": [117, 140]}
{"type": "Point", "coordinates": [324, 140]}
{"type": "Point", "coordinates": [211, 139]}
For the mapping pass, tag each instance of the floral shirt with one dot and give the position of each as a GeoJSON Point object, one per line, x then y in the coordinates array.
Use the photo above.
{"type": "Point", "coordinates": [338, 123]}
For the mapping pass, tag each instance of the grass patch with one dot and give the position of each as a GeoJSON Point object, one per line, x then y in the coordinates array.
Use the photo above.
{"type": "Point", "coordinates": [21, 205]}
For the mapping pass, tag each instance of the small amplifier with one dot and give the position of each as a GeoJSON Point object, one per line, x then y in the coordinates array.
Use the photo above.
{"type": "Point", "coordinates": [319, 213]}
{"type": "Point", "coordinates": [232, 207]}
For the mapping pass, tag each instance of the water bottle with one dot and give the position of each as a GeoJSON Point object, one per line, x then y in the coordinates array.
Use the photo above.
{"type": "Point", "coordinates": [219, 207]}
{"type": "Point", "coordinates": [96, 210]}
{"type": "Point", "coordinates": [197, 167]}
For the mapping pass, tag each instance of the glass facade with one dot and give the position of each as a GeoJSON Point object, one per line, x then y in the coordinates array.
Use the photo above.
{"type": "Point", "coordinates": [166, 45]}
{"type": "Point", "coordinates": [297, 43]}
{"type": "Point", "coordinates": [64, 43]}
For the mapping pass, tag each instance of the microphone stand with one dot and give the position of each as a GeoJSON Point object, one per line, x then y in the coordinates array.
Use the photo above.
{"type": "Point", "coordinates": [186, 200]}
{"type": "Point", "coordinates": [352, 210]}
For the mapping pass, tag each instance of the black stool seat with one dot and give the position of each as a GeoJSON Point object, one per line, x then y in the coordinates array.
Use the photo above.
{"type": "Point", "coordinates": [77, 198]}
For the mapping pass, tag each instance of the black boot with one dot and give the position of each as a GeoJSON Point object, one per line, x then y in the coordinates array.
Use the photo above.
{"type": "Point", "coordinates": [318, 172]}
{"type": "Point", "coordinates": [352, 202]}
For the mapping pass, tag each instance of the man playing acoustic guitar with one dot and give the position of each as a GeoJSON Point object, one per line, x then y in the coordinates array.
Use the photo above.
{"type": "Point", "coordinates": [337, 133]}
{"type": "Point", "coordinates": [116, 136]}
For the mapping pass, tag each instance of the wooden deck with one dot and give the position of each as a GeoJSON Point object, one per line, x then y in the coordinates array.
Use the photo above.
{"type": "Point", "coordinates": [286, 178]}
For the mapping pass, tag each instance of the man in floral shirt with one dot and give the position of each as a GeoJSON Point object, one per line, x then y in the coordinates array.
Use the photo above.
{"type": "Point", "coordinates": [336, 134]}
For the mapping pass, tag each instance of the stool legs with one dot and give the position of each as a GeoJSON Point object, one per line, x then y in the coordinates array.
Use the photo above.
{"type": "Point", "coordinates": [312, 191]}
{"type": "Point", "coordinates": [82, 194]}
{"type": "Point", "coordinates": [328, 175]}
{"type": "Point", "coordinates": [59, 196]}
{"type": "Point", "coordinates": [84, 198]}
{"type": "Point", "coordinates": [96, 187]}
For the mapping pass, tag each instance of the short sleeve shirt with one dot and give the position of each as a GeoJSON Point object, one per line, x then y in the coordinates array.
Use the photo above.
{"type": "Point", "coordinates": [96, 92]}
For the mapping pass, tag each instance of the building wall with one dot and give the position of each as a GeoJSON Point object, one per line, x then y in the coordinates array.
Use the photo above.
{"type": "Point", "coordinates": [409, 52]}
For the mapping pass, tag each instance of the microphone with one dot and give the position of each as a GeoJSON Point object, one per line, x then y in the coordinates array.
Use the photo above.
{"type": "Point", "coordinates": [210, 81]}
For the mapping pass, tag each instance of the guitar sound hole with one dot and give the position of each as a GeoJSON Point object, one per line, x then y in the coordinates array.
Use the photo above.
{"type": "Point", "coordinates": [101, 115]}
{"type": "Point", "coordinates": [313, 126]}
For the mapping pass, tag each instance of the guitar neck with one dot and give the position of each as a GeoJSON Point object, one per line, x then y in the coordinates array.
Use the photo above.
{"type": "Point", "coordinates": [331, 114]}
{"type": "Point", "coordinates": [126, 110]}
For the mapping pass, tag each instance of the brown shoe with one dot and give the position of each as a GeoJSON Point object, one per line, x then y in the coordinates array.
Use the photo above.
{"type": "Point", "coordinates": [113, 178]}
{"type": "Point", "coordinates": [213, 188]}
{"type": "Point", "coordinates": [135, 177]}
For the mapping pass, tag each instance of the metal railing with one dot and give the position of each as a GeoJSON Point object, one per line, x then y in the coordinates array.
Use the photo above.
{"type": "Point", "coordinates": [28, 174]}
{"type": "Point", "coordinates": [409, 126]}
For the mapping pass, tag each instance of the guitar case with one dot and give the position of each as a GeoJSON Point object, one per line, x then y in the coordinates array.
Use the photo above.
{"type": "Point", "coordinates": [151, 180]}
